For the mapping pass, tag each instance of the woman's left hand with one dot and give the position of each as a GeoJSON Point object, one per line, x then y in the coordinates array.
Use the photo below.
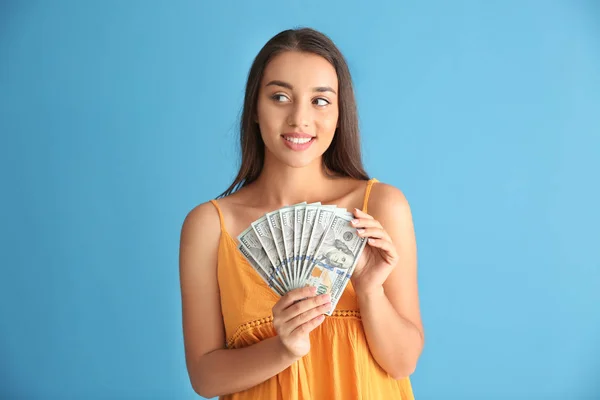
{"type": "Point", "coordinates": [379, 256]}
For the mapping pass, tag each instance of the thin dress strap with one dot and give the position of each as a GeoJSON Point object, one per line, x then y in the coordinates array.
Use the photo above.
{"type": "Point", "coordinates": [367, 193]}
{"type": "Point", "coordinates": [214, 202]}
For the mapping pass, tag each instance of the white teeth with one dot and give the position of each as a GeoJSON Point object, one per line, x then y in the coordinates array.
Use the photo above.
{"type": "Point", "coordinates": [298, 140]}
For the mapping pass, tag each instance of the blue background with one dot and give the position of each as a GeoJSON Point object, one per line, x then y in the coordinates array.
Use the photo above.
{"type": "Point", "coordinates": [117, 118]}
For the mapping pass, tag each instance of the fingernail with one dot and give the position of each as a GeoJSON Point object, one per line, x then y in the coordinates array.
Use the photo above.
{"type": "Point", "coordinates": [361, 231]}
{"type": "Point", "coordinates": [354, 221]}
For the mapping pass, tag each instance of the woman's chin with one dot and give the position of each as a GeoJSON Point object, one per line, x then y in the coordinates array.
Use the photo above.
{"type": "Point", "coordinates": [283, 158]}
{"type": "Point", "coordinates": [293, 160]}
{"type": "Point", "coordinates": [298, 163]}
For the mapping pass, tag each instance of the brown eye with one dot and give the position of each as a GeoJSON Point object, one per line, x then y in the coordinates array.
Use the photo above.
{"type": "Point", "coordinates": [323, 101]}
{"type": "Point", "coordinates": [280, 98]}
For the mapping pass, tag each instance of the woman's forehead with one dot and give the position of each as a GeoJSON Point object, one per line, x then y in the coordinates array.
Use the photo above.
{"type": "Point", "coordinates": [302, 71]}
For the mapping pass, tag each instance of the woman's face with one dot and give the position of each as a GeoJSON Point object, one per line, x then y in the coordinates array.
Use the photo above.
{"type": "Point", "coordinates": [297, 108]}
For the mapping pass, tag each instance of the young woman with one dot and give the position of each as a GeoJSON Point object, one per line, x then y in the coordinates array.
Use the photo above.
{"type": "Point", "coordinates": [300, 143]}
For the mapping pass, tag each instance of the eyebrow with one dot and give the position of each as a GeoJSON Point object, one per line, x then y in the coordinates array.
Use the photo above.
{"type": "Point", "coordinates": [286, 85]}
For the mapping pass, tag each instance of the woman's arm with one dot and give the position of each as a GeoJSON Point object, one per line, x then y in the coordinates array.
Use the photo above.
{"type": "Point", "coordinates": [213, 370]}
{"type": "Point", "coordinates": [394, 341]}
{"type": "Point", "coordinates": [225, 371]}
{"type": "Point", "coordinates": [389, 306]}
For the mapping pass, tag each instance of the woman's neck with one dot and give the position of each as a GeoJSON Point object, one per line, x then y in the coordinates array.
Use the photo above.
{"type": "Point", "coordinates": [279, 185]}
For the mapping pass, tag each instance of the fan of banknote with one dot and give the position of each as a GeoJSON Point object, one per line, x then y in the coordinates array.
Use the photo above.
{"type": "Point", "coordinates": [304, 245]}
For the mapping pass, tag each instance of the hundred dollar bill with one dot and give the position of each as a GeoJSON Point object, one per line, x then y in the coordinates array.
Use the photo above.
{"type": "Point", "coordinates": [310, 217]}
{"type": "Point", "coordinates": [288, 226]}
{"type": "Point", "coordinates": [335, 258]}
{"type": "Point", "coordinates": [274, 223]}
{"type": "Point", "coordinates": [251, 246]}
{"type": "Point", "coordinates": [310, 212]}
{"type": "Point", "coordinates": [323, 219]}
{"type": "Point", "coordinates": [298, 220]}
{"type": "Point", "coordinates": [307, 224]}
{"type": "Point", "coordinates": [269, 279]}
{"type": "Point", "coordinates": [263, 232]}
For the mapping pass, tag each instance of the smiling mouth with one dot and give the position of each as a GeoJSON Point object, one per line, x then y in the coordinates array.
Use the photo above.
{"type": "Point", "coordinates": [298, 140]}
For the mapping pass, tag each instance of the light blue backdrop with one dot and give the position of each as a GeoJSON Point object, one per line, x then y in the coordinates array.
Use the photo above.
{"type": "Point", "coordinates": [118, 117]}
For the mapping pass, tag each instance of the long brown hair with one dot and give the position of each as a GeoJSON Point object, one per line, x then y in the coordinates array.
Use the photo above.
{"type": "Point", "coordinates": [343, 156]}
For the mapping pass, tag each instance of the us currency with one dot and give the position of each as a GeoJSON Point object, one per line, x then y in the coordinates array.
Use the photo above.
{"type": "Point", "coordinates": [298, 220]}
{"type": "Point", "coordinates": [323, 219]}
{"type": "Point", "coordinates": [252, 249]}
{"type": "Point", "coordinates": [291, 231]}
{"type": "Point", "coordinates": [286, 216]}
{"type": "Point", "coordinates": [335, 258]}
{"type": "Point", "coordinates": [274, 223]}
{"type": "Point", "coordinates": [269, 280]}
{"type": "Point", "coordinates": [263, 232]}
{"type": "Point", "coordinates": [304, 245]}
{"type": "Point", "coordinates": [310, 212]}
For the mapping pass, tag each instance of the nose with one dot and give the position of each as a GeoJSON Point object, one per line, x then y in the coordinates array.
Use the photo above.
{"type": "Point", "coordinates": [299, 116]}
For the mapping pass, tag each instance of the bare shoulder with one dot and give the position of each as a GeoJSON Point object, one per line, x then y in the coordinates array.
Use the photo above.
{"type": "Point", "coordinates": [199, 240]}
{"type": "Point", "coordinates": [389, 202]}
{"type": "Point", "coordinates": [204, 215]}
{"type": "Point", "coordinates": [200, 234]}
{"type": "Point", "coordinates": [200, 231]}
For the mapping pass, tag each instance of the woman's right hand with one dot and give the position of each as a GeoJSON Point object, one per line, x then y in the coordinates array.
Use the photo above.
{"type": "Point", "coordinates": [295, 315]}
